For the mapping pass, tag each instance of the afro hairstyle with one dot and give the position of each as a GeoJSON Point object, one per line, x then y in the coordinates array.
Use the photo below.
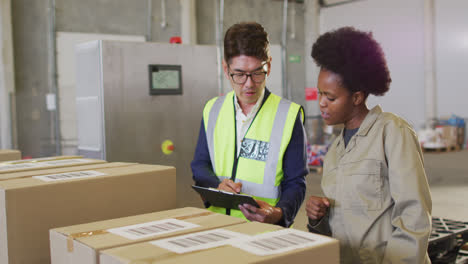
{"type": "Point", "coordinates": [356, 57]}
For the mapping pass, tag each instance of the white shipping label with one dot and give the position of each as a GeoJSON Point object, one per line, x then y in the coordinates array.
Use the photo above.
{"type": "Point", "coordinates": [198, 241]}
{"type": "Point", "coordinates": [152, 228]}
{"type": "Point", "coordinates": [69, 175]}
{"type": "Point", "coordinates": [66, 162]}
{"type": "Point", "coordinates": [279, 242]}
{"type": "Point", "coordinates": [8, 167]}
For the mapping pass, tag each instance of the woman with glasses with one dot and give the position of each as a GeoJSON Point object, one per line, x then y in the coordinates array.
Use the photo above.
{"type": "Point", "coordinates": [252, 141]}
{"type": "Point", "coordinates": [377, 200]}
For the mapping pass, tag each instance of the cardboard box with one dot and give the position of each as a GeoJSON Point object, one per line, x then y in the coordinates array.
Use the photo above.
{"type": "Point", "coordinates": [448, 135]}
{"type": "Point", "coordinates": [82, 243]}
{"type": "Point", "coordinates": [247, 244]}
{"type": "Point", "coordinates": [9, 154]}
{"type": "Point", "coordinates": [30, 207]}
{"type": "Point", "coordinates": [7, 168]}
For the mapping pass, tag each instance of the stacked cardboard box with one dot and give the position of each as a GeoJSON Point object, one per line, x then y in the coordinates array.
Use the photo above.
{"type": "Point", "coordinates": [9, 154]}
{"type": "Point", "coordinates": [455, 130]}
{"type": "Point", "coordinates": [449, 135]}
{"type": "Point", "coordinates": [82, 243]}
{"type": "Point", "coordinates": [251, 242]}
{"type": "Point", "coordinates": [32, 205]}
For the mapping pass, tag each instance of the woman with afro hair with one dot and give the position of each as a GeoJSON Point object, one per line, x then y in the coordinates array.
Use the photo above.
{"type": "Point", "coordinates": [377, 201]}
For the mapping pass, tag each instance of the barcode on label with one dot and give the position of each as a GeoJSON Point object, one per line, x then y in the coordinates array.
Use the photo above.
{"type": "Point", "coordinates": [198, 241]}
{"type": "Point", "coordinates": [20, 166]}
{"type": "Point", "coordinates": [69, 175]}
{"type": "Point", "coordinates": [152, 228]}
{"type": "Point", "coordinates": [279, 242]}
{"type": "Point", "coordinates": [65, 161]}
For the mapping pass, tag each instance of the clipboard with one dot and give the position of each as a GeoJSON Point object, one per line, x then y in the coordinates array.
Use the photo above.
{"type": "Point", "coordinates": [224, 199]}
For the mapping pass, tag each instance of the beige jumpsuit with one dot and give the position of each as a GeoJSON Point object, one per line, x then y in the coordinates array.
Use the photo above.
{"type": "Point", "coordinates": [380, 199]}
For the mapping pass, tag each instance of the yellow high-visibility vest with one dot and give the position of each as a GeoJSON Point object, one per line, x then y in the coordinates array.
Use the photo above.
{"type": "Point", "coordinates": [259, 166]}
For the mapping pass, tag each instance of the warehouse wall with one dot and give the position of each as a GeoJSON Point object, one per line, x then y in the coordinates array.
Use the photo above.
{"type": "Point", "coordinates": [36, 125]}
{"type": "Point", "coordinates": [7, 85]}
{"type": "Point", "coordinates": [117, 17]}
{"type": "Point", "coordinates": [451, 34]}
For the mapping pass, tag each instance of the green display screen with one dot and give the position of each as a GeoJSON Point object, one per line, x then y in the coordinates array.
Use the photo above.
{"type": "Point", "coordinates": [165, 79]}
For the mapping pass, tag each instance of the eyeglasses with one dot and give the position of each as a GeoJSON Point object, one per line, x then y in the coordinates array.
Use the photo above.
{"type": "Point", "coordinates": [256, 77]}
{"type": "Point", "coordinates": [241, 78]}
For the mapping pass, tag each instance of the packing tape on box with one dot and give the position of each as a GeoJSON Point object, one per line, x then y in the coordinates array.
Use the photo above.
{"type": "Point", "coordinates": [193, 215]}
{"type": "Point", "coordinates": [153, 260]}
{"type": "Point", "coordinates": [73, 236]}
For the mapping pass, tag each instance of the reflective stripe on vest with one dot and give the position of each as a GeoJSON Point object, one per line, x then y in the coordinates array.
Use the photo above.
{"type": "Point", "coordinates": [267, 188]}
{"type": "Point", "coordinates": [214, 113]}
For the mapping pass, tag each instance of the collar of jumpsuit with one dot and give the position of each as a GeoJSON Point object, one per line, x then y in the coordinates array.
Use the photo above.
{"type": "Point", "coordinates": [243, 121]}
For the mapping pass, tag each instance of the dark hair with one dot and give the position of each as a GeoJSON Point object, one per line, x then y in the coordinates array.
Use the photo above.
{"type": "Point", "coordinates": [356, 57]}
{"type": "Point", "coordinates": [246, 38]}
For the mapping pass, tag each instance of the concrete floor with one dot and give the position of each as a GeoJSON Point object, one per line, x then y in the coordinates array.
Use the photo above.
{"type": "Point", "coordinates": [447, 173]}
